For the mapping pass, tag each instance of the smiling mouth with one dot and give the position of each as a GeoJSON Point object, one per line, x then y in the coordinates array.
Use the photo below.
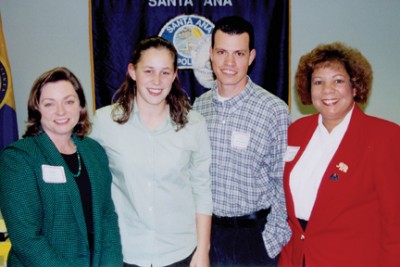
{"type": "Point", "coordinates": [63, 121]}
{"type": "Point", "coordinates": [330, 102]}
{"type": "Point", "coordinates": [229, 72]}
{"type": "Point", "coordinates": [154, 92]}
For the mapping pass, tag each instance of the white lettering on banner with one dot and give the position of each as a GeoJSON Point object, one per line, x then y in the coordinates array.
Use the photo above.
{"type": "Point", "coordinates": [205, 26]}
{"type": "Point", "coordinates": [183, 62]}
{"type": "Point", "coordinates": [173, 3]}
{"type": "Point", "coordinates": [217, 3]}
{"type": "Point", "coordinates": [179, 23]}
{"type": "Point", "coordinates": [159, 3]}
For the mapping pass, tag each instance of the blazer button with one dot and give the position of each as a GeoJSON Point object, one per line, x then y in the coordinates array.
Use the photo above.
{"type": "Point", "coordinates": [302, 237]}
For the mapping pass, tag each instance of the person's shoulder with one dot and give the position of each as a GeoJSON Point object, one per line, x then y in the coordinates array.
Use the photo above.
{"type": "Point", "coordinates": [195, 117]}
{"type": "Point", "coordinates": [304, 122]}
{"type": "Point", "coordinates": [204, 103]}
{"type": "Point", "coordinates": [382, 122]}
{"type": "Point", "coordinates": [93, 146]}
{"type": "Point", "coordinates": [196, 120]}
{"type": "Point", "coordinates": [104, 112]}
{"type": "Point", "coordinates": [383, 126]}
{"type": "Point", "coordinates": [266, 105]}
{"type": "Point", "coordinates": [377, 132]}
{"type": "Point", "coordinates": [92, 143]}
{"type": "Point", "coordinates": [265, 97]}
{"type": "Point", "coordinates": [25, 146]}
{"type": "Point", "coordinates": [205, 97]}
{"type": "Point", "coordinates": [103, 120]}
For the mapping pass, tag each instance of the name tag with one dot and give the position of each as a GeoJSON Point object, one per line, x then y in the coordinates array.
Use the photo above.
{"type": "Point", "coordinates": [53, 174]}
{"type": "Point", "coordinates": [291, 152]}
{"type": "Point", "coordinates": [240, 140]}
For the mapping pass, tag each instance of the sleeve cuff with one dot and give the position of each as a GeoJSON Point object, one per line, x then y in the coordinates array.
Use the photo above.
{"type": "Point", "coordinates": [275, 238]}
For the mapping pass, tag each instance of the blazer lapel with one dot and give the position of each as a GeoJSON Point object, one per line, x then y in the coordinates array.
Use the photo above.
{"type": "Point", "coordinates": [54, 158]}
{"type": "Point", "coordinates": [338, 174]}
{"type": "Point", "coordinates": [300, 139]}
{"type": "Point", "coordinates": [94, 174]}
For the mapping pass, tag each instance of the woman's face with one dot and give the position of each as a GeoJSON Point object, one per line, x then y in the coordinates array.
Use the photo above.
{"type": "Point", "coordinates": [332, 93]}
{"type": "Point", "coordinates": [60, 109]}
{"type": "Point", "coordinates": [154, 75]}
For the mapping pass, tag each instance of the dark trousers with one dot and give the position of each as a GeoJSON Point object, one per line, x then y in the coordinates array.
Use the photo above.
{"type": "Point", "coordinates": [238, 241]}
{"type": "Point", "coordinates": [183, 263]}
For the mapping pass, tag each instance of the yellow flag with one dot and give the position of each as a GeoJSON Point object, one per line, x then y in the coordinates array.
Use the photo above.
{"type": "Point", "coordinates": [8, 118]}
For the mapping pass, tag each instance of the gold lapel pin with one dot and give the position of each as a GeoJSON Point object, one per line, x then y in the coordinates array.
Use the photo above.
{"type": "Point", "coordinates": [342, 167]}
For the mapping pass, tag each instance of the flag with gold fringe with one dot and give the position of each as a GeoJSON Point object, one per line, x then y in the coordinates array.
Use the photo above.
{"type": "Point", "coordinates": [8, 117]}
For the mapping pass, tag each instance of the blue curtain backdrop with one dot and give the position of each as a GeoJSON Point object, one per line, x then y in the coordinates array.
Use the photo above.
{"type": "Point", "coordinates": [118, 25]}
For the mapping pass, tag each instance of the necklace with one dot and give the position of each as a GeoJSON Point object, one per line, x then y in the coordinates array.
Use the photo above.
{"type": "Point", "coordinates": [79, 165]}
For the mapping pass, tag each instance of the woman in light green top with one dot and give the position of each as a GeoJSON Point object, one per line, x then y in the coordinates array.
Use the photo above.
{"type": "Point", "coordinates": [159, 155]}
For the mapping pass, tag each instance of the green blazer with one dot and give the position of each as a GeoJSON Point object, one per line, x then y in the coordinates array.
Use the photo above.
{"type": "Point", "coordinates": [45, 219]}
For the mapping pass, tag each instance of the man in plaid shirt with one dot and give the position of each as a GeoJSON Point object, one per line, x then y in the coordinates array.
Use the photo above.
{"type": "Point", "coordinates": [248, 132]}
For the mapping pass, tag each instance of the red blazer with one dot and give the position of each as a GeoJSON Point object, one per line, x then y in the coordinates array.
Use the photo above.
{"type": "Point", "coordinates": [355, 220]}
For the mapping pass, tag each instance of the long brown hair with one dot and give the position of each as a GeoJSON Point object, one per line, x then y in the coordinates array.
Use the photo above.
{"type": "Point", "coordinates": [177, 99]}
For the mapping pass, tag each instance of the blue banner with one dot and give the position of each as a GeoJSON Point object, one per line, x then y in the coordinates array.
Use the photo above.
{"type": "Point", "coordinates": [117, 26]}
{"type": "Point", "coordinates": [8, 117]}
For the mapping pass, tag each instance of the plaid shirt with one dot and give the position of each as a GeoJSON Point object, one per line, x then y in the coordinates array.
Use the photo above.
{"type": "Point", "coordinates": [249, 137]}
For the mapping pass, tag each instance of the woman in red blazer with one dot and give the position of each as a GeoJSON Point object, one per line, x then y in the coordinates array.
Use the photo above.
{"type": "Point", "coordinates": [342, 172]}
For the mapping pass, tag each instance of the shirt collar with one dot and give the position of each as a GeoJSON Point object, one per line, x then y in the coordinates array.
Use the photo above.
{"type": "Point", "coordinates": [167, 124]}
{"type": "Point", "coordinates": [236, 101]}
{"type": "Point", "coordinates": [341, 128]}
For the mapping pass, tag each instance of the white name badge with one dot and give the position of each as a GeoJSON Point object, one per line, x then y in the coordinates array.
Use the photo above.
{"type": "Point", "coordinates": [240, 140]}
{"type": "Point", "coordinates": [291, 152]}
{"type": "Point", "coordinates": [53, 174]}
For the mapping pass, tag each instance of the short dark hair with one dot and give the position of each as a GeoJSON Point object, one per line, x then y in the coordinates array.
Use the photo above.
{"type": "Point", "coordinates": [234, 25]}
{"type": "Point", "coordinates": [355, 64]}
{"type": "Point", "coordinates": [34, 116]}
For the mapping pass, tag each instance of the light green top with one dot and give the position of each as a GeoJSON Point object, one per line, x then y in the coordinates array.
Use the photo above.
{"type": "Point", "coordinates": [160, 181]}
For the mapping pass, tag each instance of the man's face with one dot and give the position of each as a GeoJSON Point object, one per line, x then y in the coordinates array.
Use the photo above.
{"type": "Point", "coordinates": [230, 59]}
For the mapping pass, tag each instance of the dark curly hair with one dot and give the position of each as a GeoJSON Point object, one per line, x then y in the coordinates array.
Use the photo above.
{"type": "Point", "coordinates": [177, 99]}
{"type": "Point", "coordinates": [356, 65]}
{"type": "Point", "coordinates": [33, 125]}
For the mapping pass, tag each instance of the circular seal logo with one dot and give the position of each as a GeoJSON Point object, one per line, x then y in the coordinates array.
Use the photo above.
{"type": "Point", "coordinates": [201, 63]}
{"type": "Point", "coordinates": [3, 82]}
{"type": "Point", "coordinates": [191, 36]}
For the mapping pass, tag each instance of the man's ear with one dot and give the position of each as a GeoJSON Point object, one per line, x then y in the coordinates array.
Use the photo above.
{"type": "Point", "coordinates": [210, 51]}
{"type": "Point", "coordinates": [252, 56]}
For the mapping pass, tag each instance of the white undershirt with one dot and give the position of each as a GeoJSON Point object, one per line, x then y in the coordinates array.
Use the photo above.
{"type": "Point", "coordinates": [306, 175]}
{"type": "Point", "coordinates": [222, 98]}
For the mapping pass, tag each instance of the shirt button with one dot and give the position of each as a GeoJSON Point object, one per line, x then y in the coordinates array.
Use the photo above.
{"type": "Point", "coordinates": [150, 209]}
{"type": "Point", "coordinates": [302, 237]}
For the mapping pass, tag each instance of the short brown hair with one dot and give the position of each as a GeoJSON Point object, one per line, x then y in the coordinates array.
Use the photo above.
{"type": "Point", "coordinates": [356, 65]}
{"type": "Point", "coordinates": [54, 75]}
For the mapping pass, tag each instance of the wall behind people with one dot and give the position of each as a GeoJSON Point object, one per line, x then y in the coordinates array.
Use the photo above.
{"type": "Point", "coordinates": [368, 25]}
{"type": "Point", "coordinates": [47, 33]}
{"type": "Point", "coordinates": [41, 35]}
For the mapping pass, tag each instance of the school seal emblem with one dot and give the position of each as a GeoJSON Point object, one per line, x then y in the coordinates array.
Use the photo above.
{"type": "Point", "coordinates": [191, 36]}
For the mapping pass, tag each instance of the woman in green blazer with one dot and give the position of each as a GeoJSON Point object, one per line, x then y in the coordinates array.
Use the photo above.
{"type": "Point", "coordinates": [55, 185]}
